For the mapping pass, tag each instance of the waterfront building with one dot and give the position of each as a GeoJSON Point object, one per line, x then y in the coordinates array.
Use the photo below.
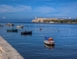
{"type": "Point", "coordinates": [54, 20]}
{"type": "Point", "coordinates": [49, 20]}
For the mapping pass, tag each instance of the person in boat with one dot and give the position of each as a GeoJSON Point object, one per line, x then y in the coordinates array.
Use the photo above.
{"type": "Point", "coordinates": [50, 39]}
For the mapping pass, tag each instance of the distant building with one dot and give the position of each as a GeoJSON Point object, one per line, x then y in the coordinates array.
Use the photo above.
{"type": "Point", "coordinates": [44, 20]}
{"type": "Point", "coordinates": [54, 20]}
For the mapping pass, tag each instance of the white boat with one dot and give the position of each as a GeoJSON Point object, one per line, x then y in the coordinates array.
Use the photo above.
{"type": "Point", "coordinates": [49, 41]}
{"type": "Point", "coordinates": [49, 46]}
{"type": "Point", "coordinates": [20, 26]}
{"type": "Point", "coordinates": [10, 24]}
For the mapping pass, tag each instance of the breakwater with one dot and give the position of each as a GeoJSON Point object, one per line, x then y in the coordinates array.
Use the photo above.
{"type": "Point", "coordinates": [9, 51]}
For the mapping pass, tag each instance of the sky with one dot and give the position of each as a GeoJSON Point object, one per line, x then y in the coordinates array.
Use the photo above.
{"type": "Point", "coordinates": [26, 10]}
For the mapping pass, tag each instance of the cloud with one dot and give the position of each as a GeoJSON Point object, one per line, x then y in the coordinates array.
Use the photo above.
{"type": "Point", "coordinates": [44, 9]}
{"type": "Point", "coordinates": [17, 8]}
{"type": "Point", "coordinates": [49, 10]}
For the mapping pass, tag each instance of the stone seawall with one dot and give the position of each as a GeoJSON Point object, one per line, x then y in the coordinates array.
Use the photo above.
{"type": "Point", "coordinates": [9, 51]}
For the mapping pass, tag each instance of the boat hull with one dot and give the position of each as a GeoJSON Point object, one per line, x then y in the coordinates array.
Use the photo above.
{"type": "Point", "coordinates": [19, 26]}
{"type": "Point", "coordinates": [26, 32]}
{"type": "Point", "coordinates": [9, 24]}
{"type": "Point", "coordinates": [12, 30]}
{"type": "Point", "coordinates": [49, 43]}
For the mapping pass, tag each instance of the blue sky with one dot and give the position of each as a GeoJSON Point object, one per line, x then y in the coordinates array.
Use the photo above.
{"type": "Point", "coordinates": [29, 9]}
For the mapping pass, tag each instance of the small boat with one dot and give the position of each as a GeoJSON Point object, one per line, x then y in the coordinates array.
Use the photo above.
{"type": "Point", "coordinates": [12, 30]}
{"type": "Point", "coordinates": [20, 26]}
{"type": "Point", "coordinates": [26, 32]}
{"type": "Point", "coordinates": [10, 24]}
{"type": "Point", "coordinates": [49, 41]}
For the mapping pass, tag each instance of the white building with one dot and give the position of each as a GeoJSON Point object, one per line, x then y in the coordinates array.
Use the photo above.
{"type": "Point", "coordinates": [43, 19]}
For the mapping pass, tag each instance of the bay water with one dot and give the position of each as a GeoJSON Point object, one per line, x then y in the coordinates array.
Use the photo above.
{"type": "Point", "coordinates": [33, 47]}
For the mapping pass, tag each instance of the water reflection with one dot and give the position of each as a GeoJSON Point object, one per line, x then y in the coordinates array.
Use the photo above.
{"type": "Point", "coordinates": [49, 46]}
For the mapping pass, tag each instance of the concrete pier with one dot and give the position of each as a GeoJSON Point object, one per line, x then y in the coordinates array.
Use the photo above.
{"type": "Point", "coordinates": [10, 52]}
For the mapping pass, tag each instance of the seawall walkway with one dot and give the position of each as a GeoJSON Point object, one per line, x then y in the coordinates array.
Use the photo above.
{"type": "Point", "coordinates": [9, 51]}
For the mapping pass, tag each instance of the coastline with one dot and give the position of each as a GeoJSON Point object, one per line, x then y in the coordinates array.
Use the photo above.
{"type": "Point", "coordinates": [9, 51]}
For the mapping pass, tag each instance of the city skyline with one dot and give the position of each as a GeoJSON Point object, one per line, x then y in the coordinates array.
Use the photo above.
{"type": "Point", "coordinates": [25, 10]}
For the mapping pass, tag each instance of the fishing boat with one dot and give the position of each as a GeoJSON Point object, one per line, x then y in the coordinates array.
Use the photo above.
{"type": "Point", "coordinates": [49, 41]}
{"type": "Point", "coordinates": [10, 24]}
{"type": "Point", "coordinates": [20, 26]}
{"type": "Point", "coordinates": [26, 32]}
{"type": "Point", "coordinates": [12, 30]}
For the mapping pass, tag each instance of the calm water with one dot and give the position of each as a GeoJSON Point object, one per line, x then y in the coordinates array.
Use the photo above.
{"type": "Point", "coordinates": [33, 47]}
